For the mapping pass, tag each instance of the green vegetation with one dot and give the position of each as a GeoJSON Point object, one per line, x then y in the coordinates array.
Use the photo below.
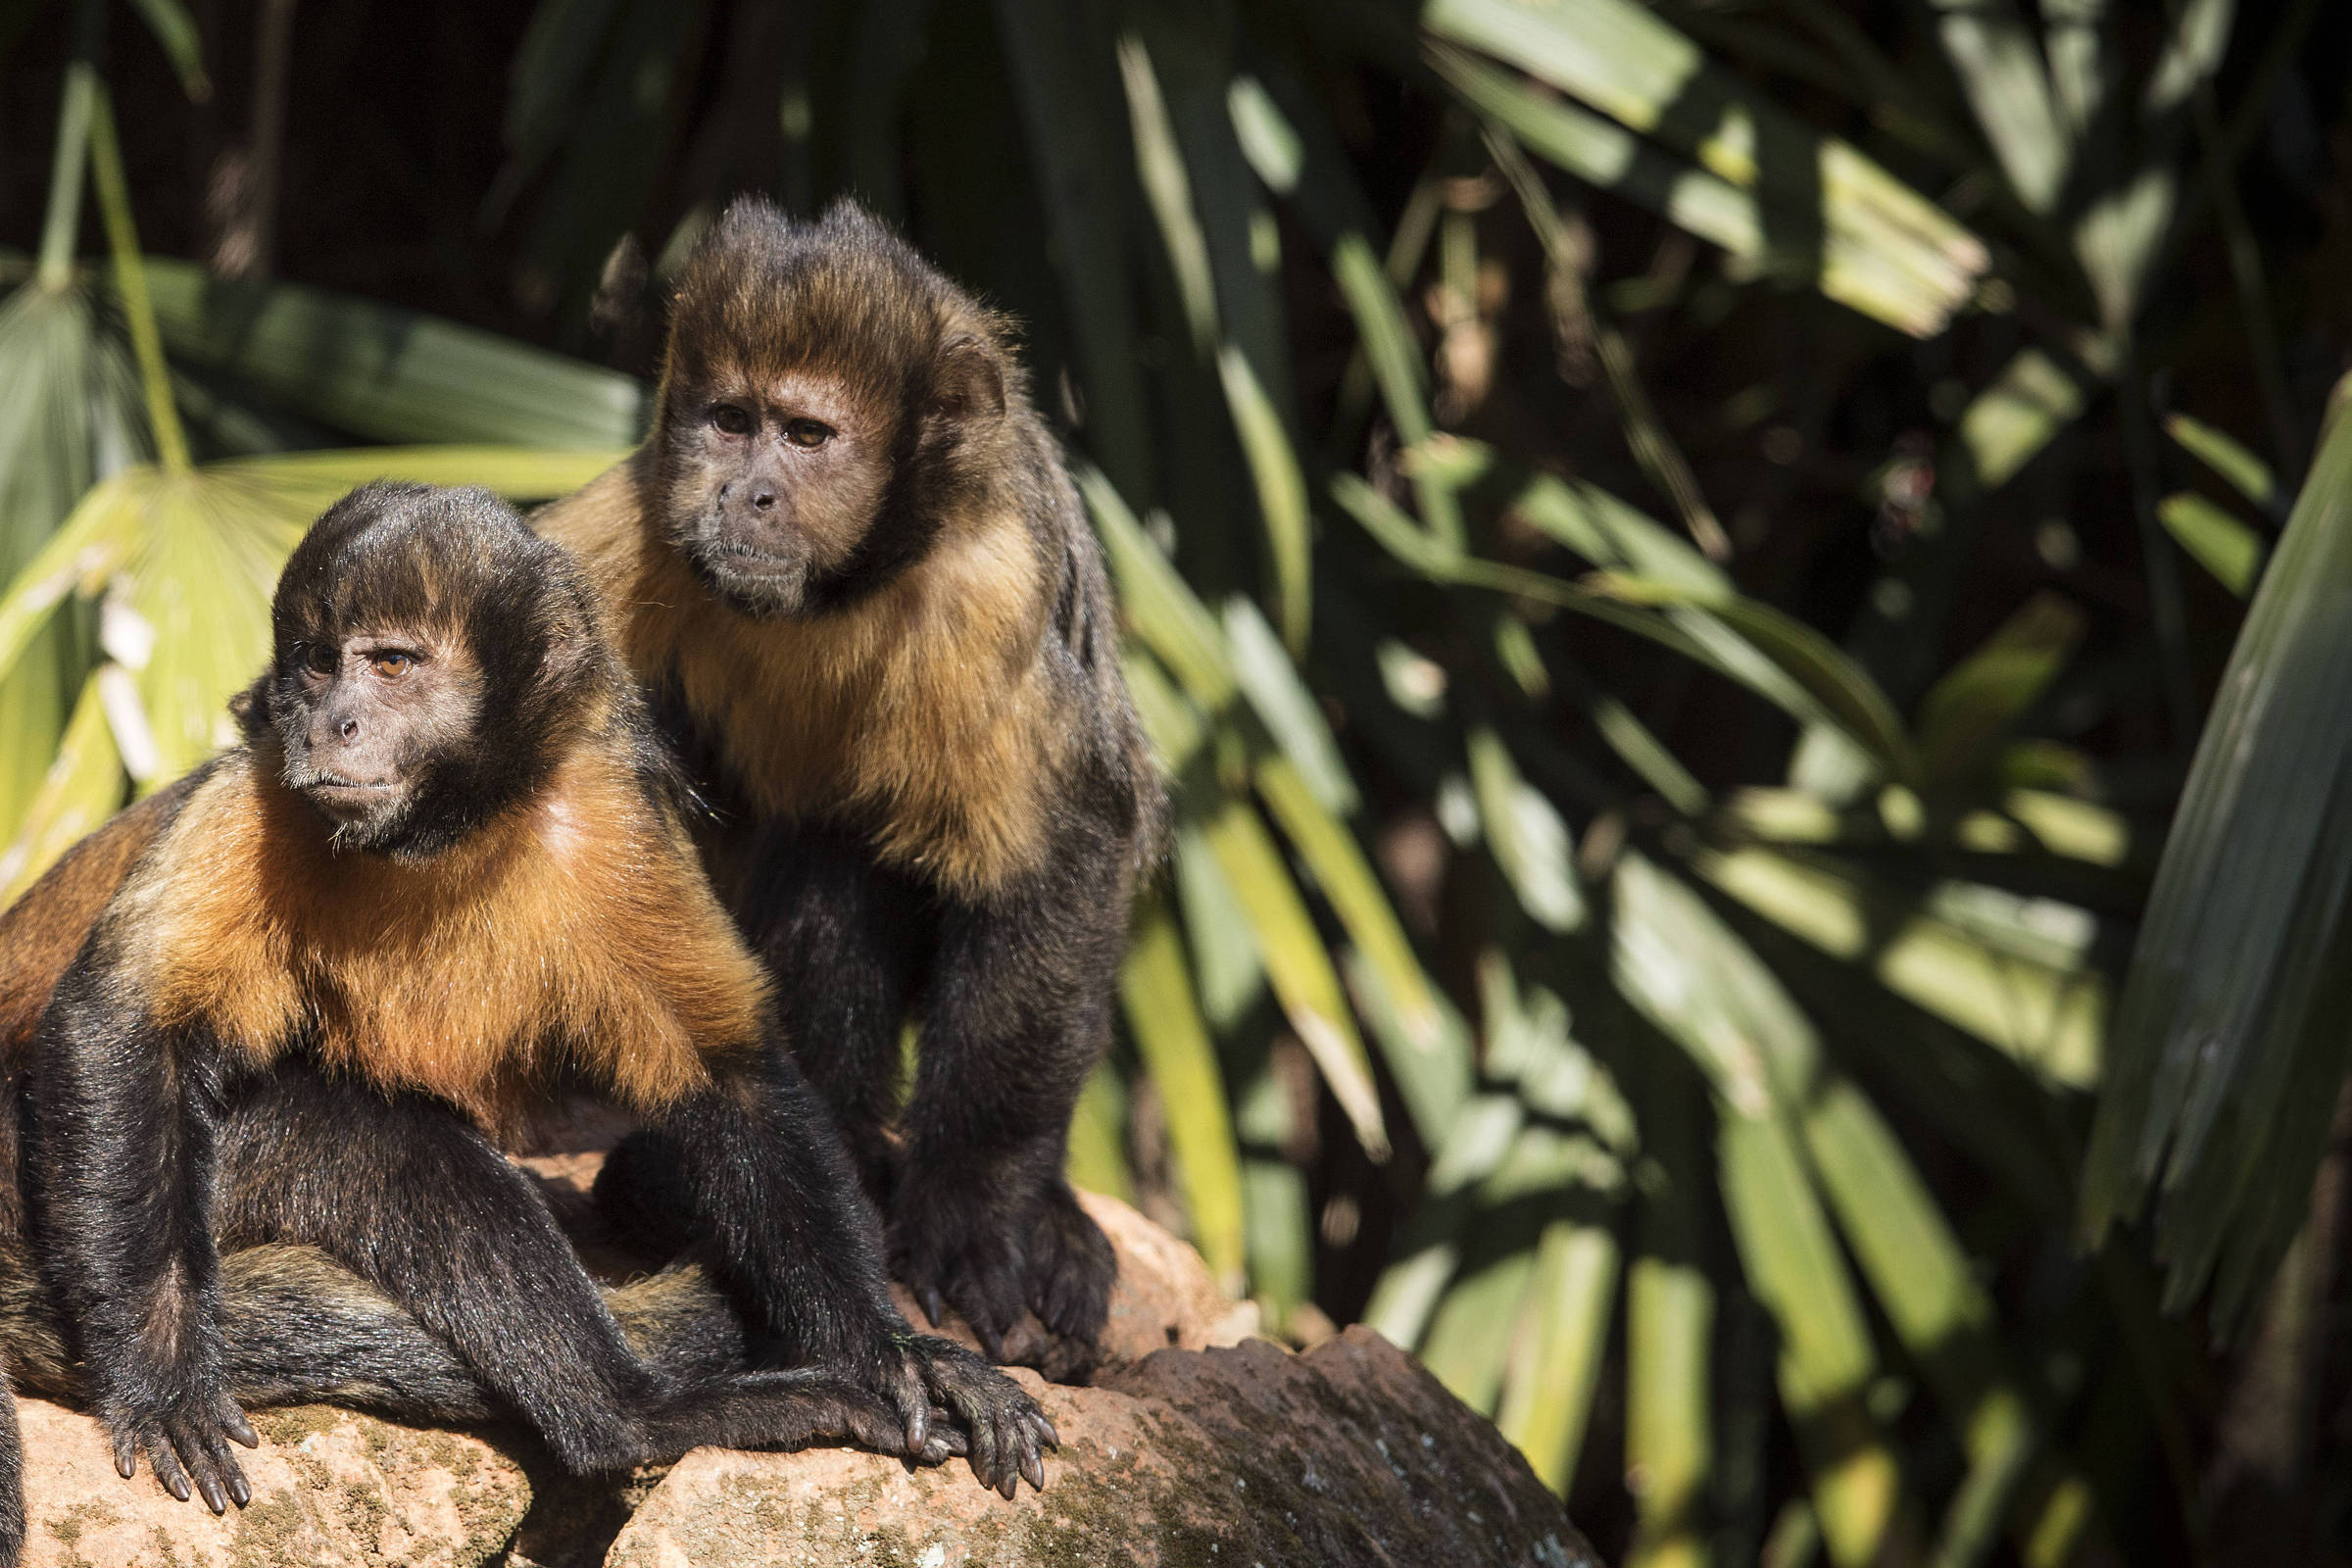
{"type": "Point", "coordinates": [1731, 890]}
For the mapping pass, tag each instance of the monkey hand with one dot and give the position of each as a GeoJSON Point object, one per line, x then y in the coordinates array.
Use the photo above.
{"type": "Point", "coordinates": [992, 1253]}
{"type": "Point", "coordinates": [185, 1434]}
{"type": "Point", "coordinates": [1003, 1432]}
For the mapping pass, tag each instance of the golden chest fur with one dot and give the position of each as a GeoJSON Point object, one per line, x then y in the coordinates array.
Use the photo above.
{"type": "Point", "coordinates": [922, 714]}
{"type": "Point", "coordinates": [575, 937]}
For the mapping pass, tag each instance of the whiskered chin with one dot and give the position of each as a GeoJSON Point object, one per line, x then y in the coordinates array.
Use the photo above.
{"type": "Point", "coordinates": [763, 582]}
{"type": "Point", "coordinates": [355, 808]}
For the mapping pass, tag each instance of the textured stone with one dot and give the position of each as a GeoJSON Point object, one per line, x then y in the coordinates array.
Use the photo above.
{"type": "Point", "coordinates": [1347, 1454]}
{"type": "Point", "coordinates": [331, 1488]}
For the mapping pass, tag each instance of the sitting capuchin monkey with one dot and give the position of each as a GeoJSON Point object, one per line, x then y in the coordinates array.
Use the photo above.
{"type": "Point", "coordinates": [851, 573]}
{"type": "Point", "coordinates": [442, 888]}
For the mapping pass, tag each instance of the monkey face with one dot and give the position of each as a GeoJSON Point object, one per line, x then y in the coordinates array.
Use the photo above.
{"type": "Point", "coordinates": [430, 654]}
{"type": "Point", "coordinates": [828, 401]}
{"type": "Point", "coordinates": [773, 484]}
{"type": "Point", "coordinates": [364, 720]}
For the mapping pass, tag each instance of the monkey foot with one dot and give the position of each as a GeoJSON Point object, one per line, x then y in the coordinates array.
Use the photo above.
{"type": "Point", "coordinates": [1000, 1430]}
{"type": "Point", "coordinates": [992, 1261]}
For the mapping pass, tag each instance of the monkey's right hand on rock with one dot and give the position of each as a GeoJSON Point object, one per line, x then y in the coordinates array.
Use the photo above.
{"type": "Point", "coordinates": [185, 1434]}
{"type": "Point", "coordinates": [1004, 1434]}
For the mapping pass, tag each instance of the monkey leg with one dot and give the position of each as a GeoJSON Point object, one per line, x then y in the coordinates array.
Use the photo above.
{"type": "Point", "coordinates": [845, 940]}
{"type": "Point", "coordinates": [1018, 1015]}
{"type": "Point", "coordinates": [422, 1208]}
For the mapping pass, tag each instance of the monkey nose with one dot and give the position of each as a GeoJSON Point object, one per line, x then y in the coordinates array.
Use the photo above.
{"type": "Point", "coordinates": [349, 730]}
{"type": "Point", "coordinates": [763, 498]}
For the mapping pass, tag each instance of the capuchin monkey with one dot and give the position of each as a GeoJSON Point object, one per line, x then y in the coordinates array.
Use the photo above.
{"type": "Point", "coordinates": [852, 572]}
{"type": "Point", "coordinates": [442, 888]}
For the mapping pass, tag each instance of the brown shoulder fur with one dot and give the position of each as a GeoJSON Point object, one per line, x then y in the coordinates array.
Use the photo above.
{"type": "Point", "coordinates": [43, 931]}
{"type": "Point", "coordinates": [923, 710]}
{"type": "Point", "coordinates": [575, 935]}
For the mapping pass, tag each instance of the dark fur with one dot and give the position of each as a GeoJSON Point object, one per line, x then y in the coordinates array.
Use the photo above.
{"type": "Point", "coordinates": [886, 852]}
{"type": "Point", "coordinates": [241, 1198]}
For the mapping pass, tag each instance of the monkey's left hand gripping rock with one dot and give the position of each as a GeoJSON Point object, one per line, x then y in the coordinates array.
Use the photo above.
{"type": "Point", "coordinates": [999, 1428]}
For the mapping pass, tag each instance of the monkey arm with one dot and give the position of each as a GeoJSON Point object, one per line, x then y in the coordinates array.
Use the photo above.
{"type": "Point", "coordinates": [781, 1222]}
{"type": "Point", "coordinates": [126, 1120]}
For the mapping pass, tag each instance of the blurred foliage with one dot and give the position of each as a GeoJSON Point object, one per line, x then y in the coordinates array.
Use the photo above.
{"type": "Point", "coordinates": [1652, 541]}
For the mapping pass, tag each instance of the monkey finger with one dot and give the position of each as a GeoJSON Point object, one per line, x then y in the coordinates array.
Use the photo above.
{"type": "Point", "coordinates": [1033, 1469]}
{"type": "Point", "coordinates": [946, 1436]}
{"type": "Point", "coordinates": [207, 1486]}
{"type": "Point", "coordinates": [1012, 1453]}
{"type": "Point", "coordinates": [199, 1451]}
{"type": "Point", "coordinates": [166, 1465]}
{"type": "Point", "coordinates": [240, 1431]}
{"type": "Point", "coordinates": [127, 1454]}
{"type": "Point", "coordinates": [1045, 1429]}
{"type": "Point", "coordinates": [983, 1451]}
{"type": "Point", "coordinates": [913, 1404]}
{"type": "Point", "coordinates": [933, 1307]}
{"type": "Point", "coordinates": [224, 1465]}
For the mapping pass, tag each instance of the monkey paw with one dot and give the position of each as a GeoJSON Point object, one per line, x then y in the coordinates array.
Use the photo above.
{"type": "Point", "coordinates": [186, 1436]}
{"type": "Point", "coordinates": [1002, 1430]}
{"type": "Point", "coordinates": [992, 1258]}
{"type": "Point", "coordinates": [960, 1251]}
{"type": "Point", "coordinates": [1071, 1266]}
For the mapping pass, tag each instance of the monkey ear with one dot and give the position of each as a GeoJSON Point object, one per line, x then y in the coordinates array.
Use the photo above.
{"type": "Point", "coordinates": [249, 709]}
{"type": "Point", "coordinates": [966, 381]}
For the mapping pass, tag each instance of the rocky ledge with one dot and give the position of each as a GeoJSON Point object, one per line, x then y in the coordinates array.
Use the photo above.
{"type": "Point", "coordinates": [1194, 1444]}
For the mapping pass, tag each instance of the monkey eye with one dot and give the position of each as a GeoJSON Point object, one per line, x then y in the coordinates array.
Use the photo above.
{"type": "Point", "coordinates": [807, 432]}
{"type": "Point", "coordinates": [316, 657]}
{"type": "Point", "coordinates": [391, 662]}
{"type": "Point", "coordinates": [730, 419]}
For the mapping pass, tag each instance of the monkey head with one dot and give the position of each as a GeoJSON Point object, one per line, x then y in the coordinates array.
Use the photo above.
{"type": "Point", "coordinates": [431, 657]}
{"type": "Point", "coordinates": [825, 395]}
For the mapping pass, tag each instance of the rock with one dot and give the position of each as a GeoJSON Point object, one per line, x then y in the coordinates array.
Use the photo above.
{"type": "Point", "coordinates": [1347, 1454]}
{"type": "Point", "coordinates": [330, 1487]}
{"type": "Point", "coordinates": [1193, 1446]}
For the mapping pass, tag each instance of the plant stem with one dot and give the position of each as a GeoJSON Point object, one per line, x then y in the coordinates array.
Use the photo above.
{"type": "Point", "coordinates": [63, 221]}
{"type": "Point", "coordinates": [130, 280]}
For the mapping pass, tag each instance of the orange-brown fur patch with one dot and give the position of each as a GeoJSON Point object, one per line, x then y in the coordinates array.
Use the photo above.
{"type": "Point", "coordinates": [920, 714]}
{"type": "Point", "coordinates": [43, 931]}
{"type": "Point", "coordinates": [573, 936]}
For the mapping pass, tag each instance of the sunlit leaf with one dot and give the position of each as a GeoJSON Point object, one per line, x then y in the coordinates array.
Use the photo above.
{"type": "Point", "coordinates": [1177, 1053]}
{"type": "Point", "coordinates": [2220, 543]}
{"type": "Point", "coordinates": [1553, 1368]}
{"type": "Point", "coordinates": [1524, 832]}
{"type": "Point", "coordinates": [1883, 248]}
{"type": "Point", "coordinates": [2220, 452]}
{"type": "Point", "coordinates": [388, 374]}
{"type": "Point", "coordinates": [83, 788]}
{"type": "Point", "coordinates": [1966, 714]}
{"type": "Point", "coordinates": [1299, 965]}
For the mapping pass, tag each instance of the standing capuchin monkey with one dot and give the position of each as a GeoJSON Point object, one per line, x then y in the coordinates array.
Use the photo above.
{"type": "Point", "coordinates": [852, 572]}
{"type": "Point", "coordinates": [443, 885]}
